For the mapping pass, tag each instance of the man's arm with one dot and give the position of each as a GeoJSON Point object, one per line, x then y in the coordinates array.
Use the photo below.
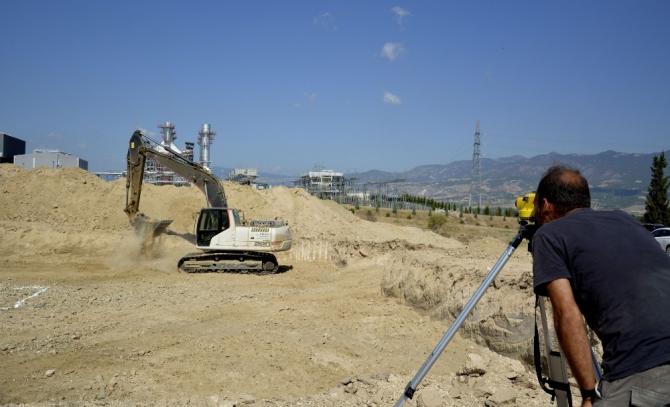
{"type": "Point", "coordinates": [571, 332]}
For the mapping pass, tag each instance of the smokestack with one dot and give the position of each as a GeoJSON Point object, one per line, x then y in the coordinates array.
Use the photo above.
{"type": "Point", "coordinates": [169, 136]}
{"type": "Point", "coordinates": [206, 136]}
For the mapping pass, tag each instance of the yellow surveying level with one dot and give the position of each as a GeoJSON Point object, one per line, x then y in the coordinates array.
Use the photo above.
{"type": "Point", "coordinates": [526, 206]}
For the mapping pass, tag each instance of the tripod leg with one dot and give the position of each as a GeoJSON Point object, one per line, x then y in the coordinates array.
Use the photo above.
{"type": "Point", "coordinates": [442, 344]}
{"type": "Point", "coordinates": [556, 360]}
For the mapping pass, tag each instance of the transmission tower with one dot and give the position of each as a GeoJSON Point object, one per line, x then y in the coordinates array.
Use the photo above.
{"type": "Point", "coordinates": [476, 182]}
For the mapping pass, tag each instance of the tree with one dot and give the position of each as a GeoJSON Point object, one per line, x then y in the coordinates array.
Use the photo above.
{"type": "Point", "coordinates": [656, 208]}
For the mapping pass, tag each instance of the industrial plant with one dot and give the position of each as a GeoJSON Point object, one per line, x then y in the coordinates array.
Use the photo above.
{"type": "Point", "coordinates": [325, 184]}
{"type": "Point", "coordinates": [159, 175]}
{"type": "Point", "coordinates": [13, 150]}
{"type": "Point", "coordinates": [10, 147]}
{"type": "Point", "coordinates": [50, 159]}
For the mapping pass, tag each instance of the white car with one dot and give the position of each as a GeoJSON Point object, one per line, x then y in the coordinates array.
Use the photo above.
{"type": "Point", "coordinates": [662, 236]}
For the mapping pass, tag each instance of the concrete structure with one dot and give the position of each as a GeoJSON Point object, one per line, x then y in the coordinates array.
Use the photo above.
{"type": "Point", "coordinates": [50, 159]}
{"type": "Point", "coordinates": [10, 147]}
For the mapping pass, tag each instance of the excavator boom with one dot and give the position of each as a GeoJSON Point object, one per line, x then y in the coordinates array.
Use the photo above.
{"type": "Point", "coordinates": [140, 147]}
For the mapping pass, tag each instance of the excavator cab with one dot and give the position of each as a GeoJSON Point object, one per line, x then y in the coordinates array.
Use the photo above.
{"type": "Point", "coordinates": [211, 222]}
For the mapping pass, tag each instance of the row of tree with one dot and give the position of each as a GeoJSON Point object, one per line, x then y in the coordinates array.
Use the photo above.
{"type": "Point", "coordinates": [434, 204]}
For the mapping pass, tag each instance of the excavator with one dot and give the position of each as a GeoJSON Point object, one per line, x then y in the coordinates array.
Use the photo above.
{"type": "Point", "coordinates": [226, 242]}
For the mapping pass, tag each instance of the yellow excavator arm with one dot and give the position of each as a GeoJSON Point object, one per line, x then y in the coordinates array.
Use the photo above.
{"type": "Point", "coordinates": [140, 147]}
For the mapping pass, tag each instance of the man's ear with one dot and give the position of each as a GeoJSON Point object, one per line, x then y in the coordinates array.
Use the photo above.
{"type": "Point", "coordinates": [548, 210]}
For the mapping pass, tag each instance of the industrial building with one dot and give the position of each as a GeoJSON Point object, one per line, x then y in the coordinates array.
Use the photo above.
{"type": "Point", "coordinates": [10, 147]}
{"type": "Point", "coordinates": [50, 159]}
{"type": "Point", "coordinates": [244, 176]}
{"type": "Point", "coordinates": [326, 184]}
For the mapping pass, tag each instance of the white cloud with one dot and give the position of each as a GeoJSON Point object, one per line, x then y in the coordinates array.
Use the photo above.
{"type": "Point", "coordinates": [391, 99]}
{"type": "Point", "coordinates": [326, 21]}
{"type": "Point", "coordinates": [392, 50]}
{"type": "Point", "coordinates": [308, 99]}
{"type": "Point", "coordinates": [311, 97]}
{"type": "Point", "coordinates": [399, 14]}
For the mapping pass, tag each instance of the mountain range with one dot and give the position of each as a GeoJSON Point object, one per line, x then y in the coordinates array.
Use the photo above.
{"type": "Point", "coordinates": [617, 180]}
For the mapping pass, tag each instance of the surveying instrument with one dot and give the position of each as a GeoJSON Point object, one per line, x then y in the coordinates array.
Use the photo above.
{"type": "Point", "coordinates": [557, 383]}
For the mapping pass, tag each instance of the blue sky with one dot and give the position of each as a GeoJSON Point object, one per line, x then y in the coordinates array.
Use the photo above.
{"type": "Point", "coordinates": [349, 85]}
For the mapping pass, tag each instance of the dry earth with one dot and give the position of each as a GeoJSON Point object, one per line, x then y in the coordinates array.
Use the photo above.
{"type": "Point", "coordinates": [86, 320]}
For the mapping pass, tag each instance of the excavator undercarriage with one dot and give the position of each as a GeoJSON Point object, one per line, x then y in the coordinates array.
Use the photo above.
{"type": "Point", "coordinates": [242, 262]}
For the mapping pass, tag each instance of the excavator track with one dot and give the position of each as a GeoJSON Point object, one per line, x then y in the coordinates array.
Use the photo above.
{"type": "Point", "coordinates": [229, 262]}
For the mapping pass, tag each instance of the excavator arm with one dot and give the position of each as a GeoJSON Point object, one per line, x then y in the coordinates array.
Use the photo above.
{"type": "Point", "coordinates": [140, 148]}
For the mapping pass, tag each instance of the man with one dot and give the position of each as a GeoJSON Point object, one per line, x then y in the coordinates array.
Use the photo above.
{"type": "Point", "coordinates": [606, 266]}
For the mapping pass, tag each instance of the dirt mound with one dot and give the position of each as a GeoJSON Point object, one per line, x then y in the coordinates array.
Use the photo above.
{"type": "Point", "coordinates": [67, 197]}
{"type": "Point", "coordinates": [441, 282]}
{"type": "Point", "coordinates": [78, 199]}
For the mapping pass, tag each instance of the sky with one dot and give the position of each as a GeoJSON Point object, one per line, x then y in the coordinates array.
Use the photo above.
{"type": "Point", "coordinates": [345, 85]}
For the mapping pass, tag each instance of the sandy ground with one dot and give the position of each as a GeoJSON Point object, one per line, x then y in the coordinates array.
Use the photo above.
{"type": "Point", "coordinates": [86, 320]}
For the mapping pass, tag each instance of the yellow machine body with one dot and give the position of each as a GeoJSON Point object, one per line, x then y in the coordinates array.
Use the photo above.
{"type": "Point", "coordinates": [526, 206]}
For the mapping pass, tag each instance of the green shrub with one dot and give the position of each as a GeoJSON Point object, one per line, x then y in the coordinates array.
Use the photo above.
{"type": "Point", "coordinates": [436, 221]}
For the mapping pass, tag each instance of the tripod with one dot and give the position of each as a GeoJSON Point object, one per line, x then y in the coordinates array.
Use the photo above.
{"type": "Point", "coordinates": [558, 377]}
{"type": "Point", "coordinates": [526, 231]}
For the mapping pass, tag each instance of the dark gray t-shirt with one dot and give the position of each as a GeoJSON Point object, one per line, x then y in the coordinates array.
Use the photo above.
{"type": "Point", "coordinates": [620, 279]}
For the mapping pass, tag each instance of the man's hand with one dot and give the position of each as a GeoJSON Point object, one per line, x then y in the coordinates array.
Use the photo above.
{"type": "Point", "coordinates": [587, 403]}
{"type": "Point", "coordinates": [572, 333]}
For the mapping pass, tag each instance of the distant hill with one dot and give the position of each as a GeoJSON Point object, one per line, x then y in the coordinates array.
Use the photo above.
{"type": "Point", "coordinates": [617, 180]}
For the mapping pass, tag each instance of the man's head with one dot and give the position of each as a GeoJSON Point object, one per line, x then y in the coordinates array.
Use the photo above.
{"type": "Point", "coordinates": [561, 190]}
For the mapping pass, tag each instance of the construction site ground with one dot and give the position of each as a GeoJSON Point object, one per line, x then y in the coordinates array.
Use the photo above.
{"type": "Point", "coordinates": [88, 320]}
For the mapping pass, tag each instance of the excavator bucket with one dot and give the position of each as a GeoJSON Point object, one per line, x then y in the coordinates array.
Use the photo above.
{"type": "Point", "coordinates": [148, 230]}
